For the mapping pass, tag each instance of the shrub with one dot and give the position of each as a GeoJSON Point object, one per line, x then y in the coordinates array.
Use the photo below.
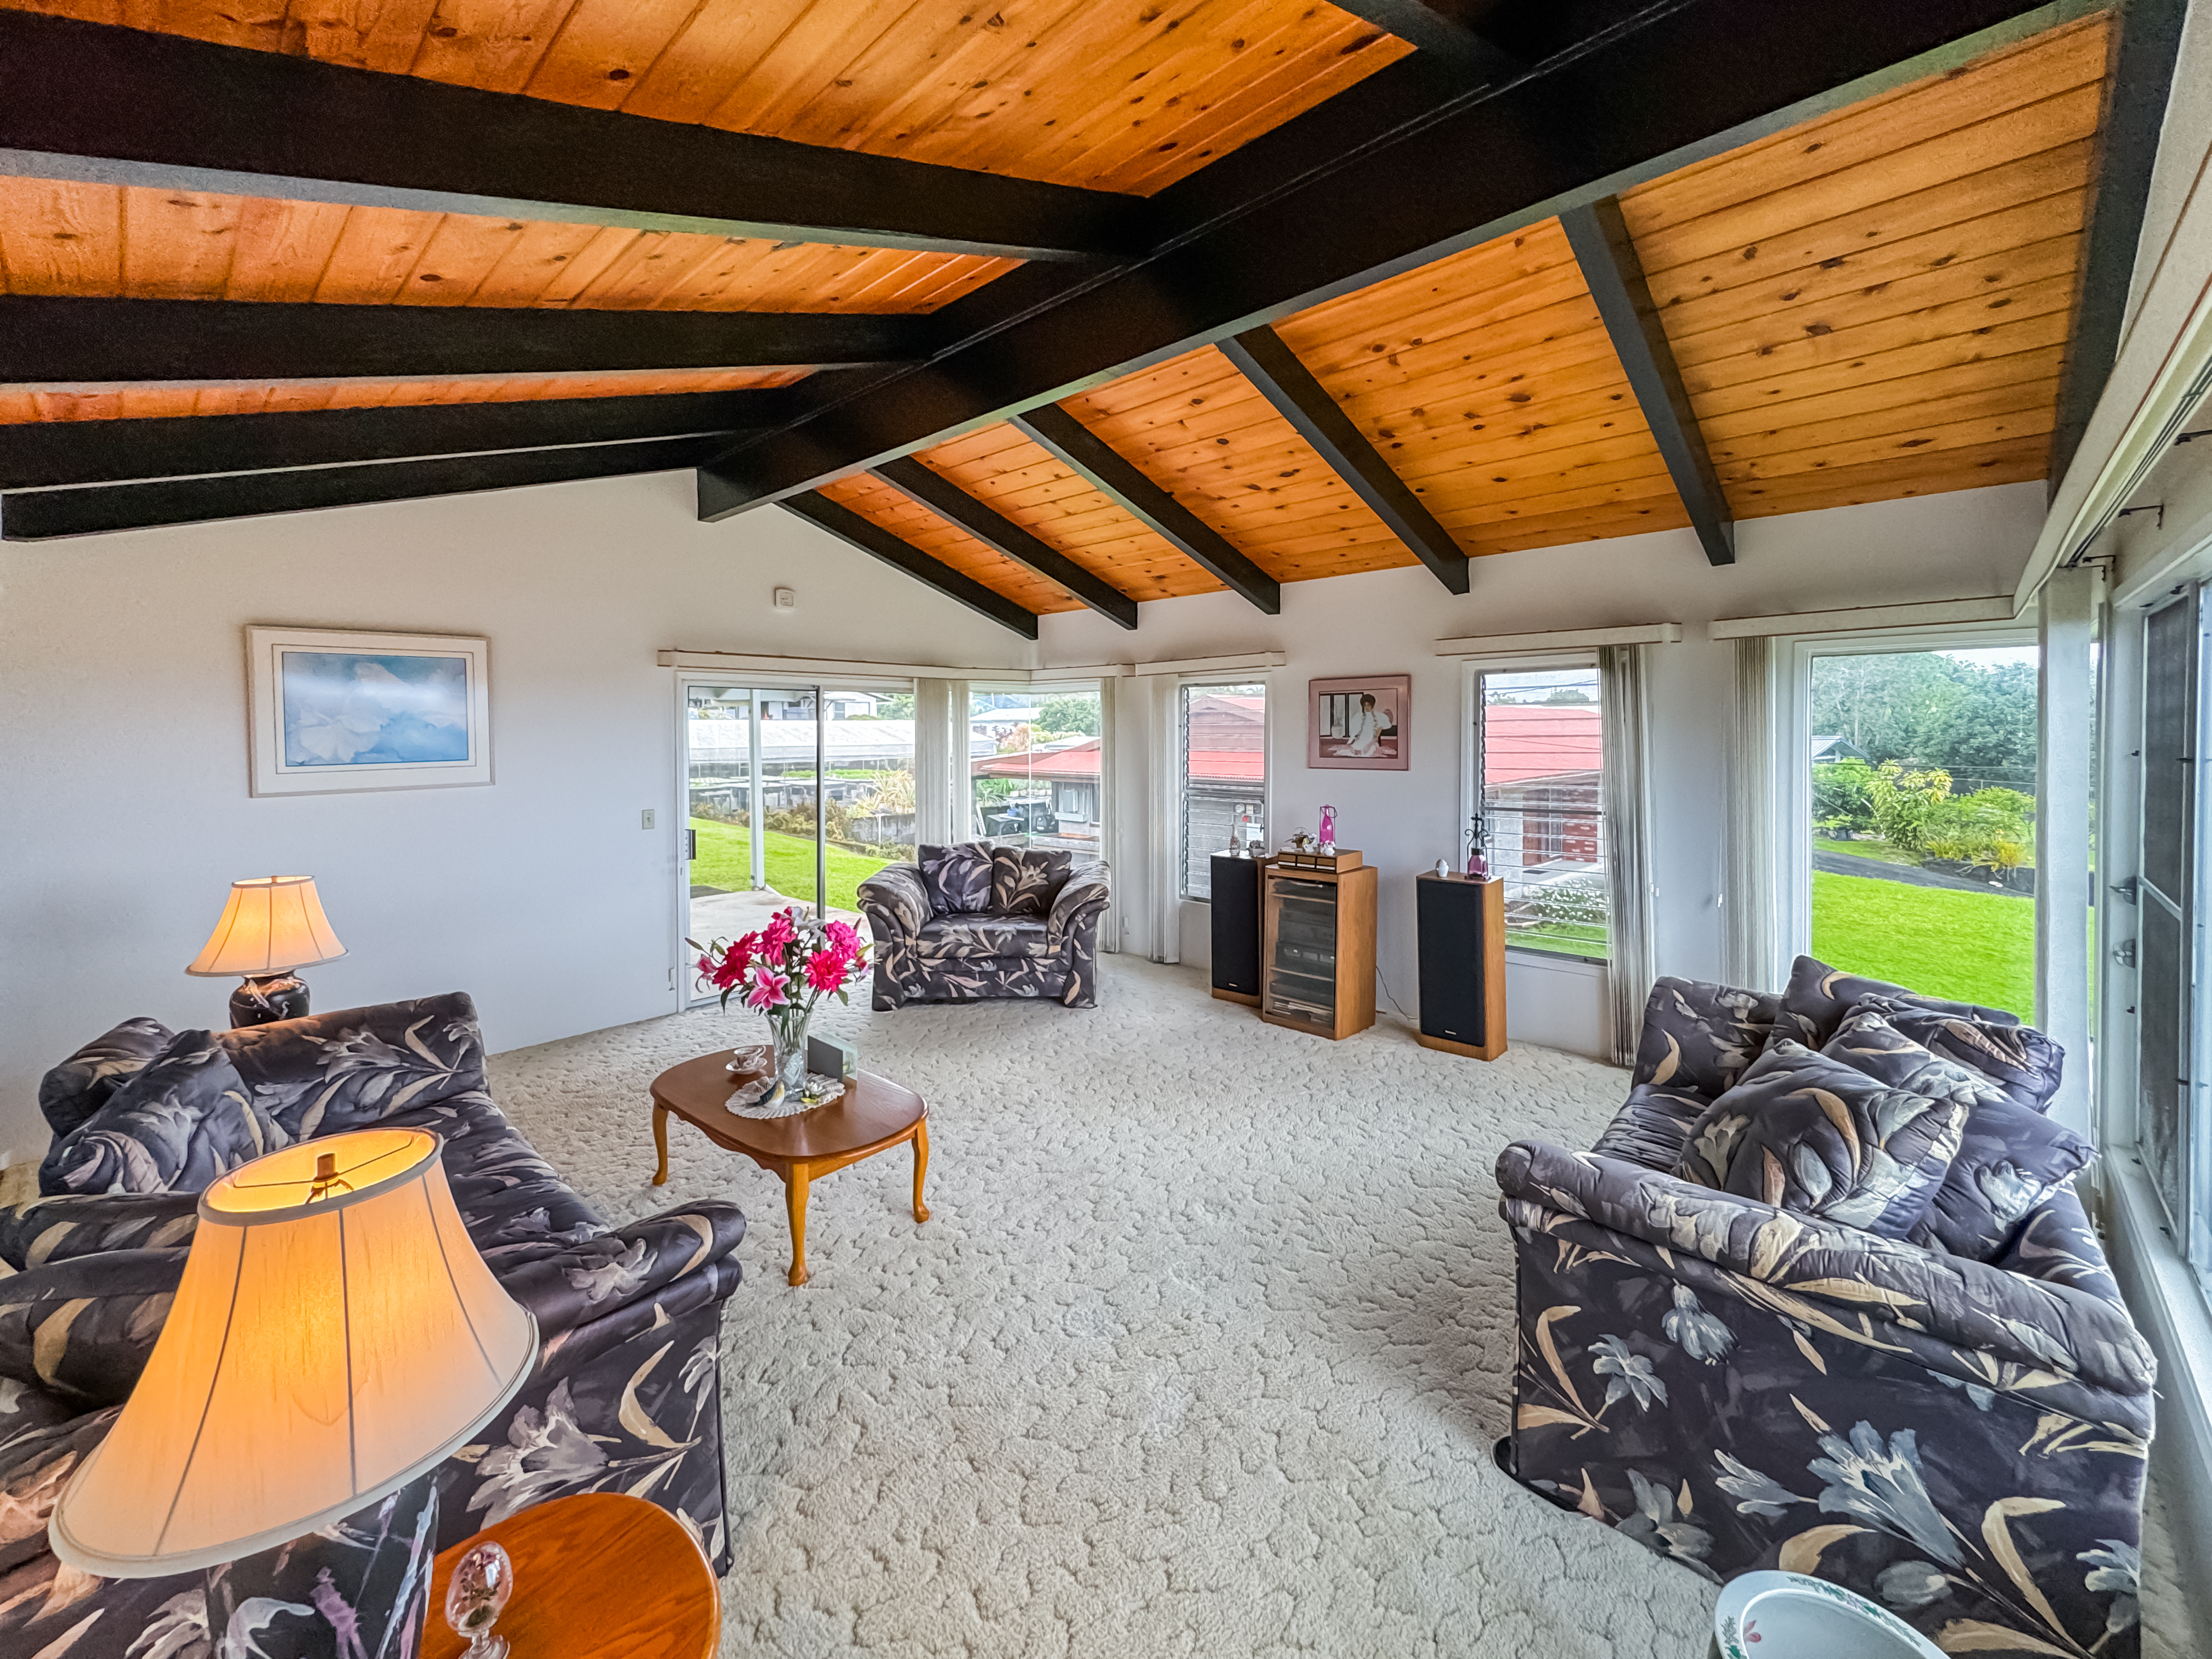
{"type": "Point", "coordinates": [1902, 802]}
{"type": "Point", "coordinates": [1575, 901]}
{"type": "Point", "coordinates": [1840, 800]}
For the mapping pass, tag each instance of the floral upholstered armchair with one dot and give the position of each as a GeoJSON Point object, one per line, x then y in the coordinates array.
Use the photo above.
{"type": "Point", "coordinates": [1953, 1422]}
{"type": "Point", "coordinates": [625, 1397]}
{"type": "Point", "coordinates": [975, 921]}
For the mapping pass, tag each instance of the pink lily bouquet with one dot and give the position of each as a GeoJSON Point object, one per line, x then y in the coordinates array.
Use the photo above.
{"type": "Point", "coordinates": [782, 971]}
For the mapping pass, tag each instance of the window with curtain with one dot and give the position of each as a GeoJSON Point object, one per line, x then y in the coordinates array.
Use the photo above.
{"type": "Point", "coordinates": [1540, 753]}
{"type": "Point", "coordinates": [1035, 766]}
{"type": "Point", "coordinates": [1222, 775]}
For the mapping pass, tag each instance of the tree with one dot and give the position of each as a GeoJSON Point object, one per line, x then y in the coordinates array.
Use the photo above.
{"type": "Point", "coordinates": [1928, 711]}
{"type": "Point", "coordinates": [1061, 715]}
{"type": "Point", "coordinates": [1571, 694]}
{"type": "Point", "coordinates": [899, 706]}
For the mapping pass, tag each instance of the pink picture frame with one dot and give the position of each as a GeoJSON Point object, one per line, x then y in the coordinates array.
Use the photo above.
{"type": "Point", "coordinates": [1360, 723]}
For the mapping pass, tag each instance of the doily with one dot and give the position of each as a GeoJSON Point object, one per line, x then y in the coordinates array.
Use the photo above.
{"type": "Point", "coordinates": [753, 1099]}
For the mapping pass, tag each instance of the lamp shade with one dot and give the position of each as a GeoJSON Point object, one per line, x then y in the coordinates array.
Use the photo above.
{"type": "Point", "coordinates": [271, 923]}
{"type": "Point", "coordinates": [335, 1335]}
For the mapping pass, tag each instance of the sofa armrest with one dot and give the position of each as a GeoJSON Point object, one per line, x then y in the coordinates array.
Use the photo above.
{"type": "Point", "coordinates": [73, 1224]}
{"type": "Point", "coordinates": [895, 901]}
{"type": "Point", "coordinates": [1089, 887]}
{"type": "Point", "coordinates": [84, 1330]}
{"type": "Point", "coordinates": [1844, 1277]}
{"type": "Point", "coordinates": [589, 1281]}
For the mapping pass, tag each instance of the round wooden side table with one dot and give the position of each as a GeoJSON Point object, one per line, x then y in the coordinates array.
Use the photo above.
{"type": "Point", "coordinates": [596, 1577]}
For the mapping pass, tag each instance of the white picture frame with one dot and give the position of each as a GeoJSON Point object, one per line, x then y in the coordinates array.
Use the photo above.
{"type": "Point", "coordinates": [333, 711]}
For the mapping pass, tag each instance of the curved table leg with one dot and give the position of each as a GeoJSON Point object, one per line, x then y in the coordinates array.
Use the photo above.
{"type": "Point", "coordinates": [920, 1169]}
{"type": "Point", "coordinates": [660, 1140]}
{"type": "Point", "coordinates": [794, 1205]}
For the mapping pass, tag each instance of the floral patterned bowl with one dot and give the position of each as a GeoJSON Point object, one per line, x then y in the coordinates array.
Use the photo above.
{"type": "Point", "coordinates": [1787, 1616]}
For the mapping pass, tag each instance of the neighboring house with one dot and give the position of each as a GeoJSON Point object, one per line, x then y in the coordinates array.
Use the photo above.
{"type": "Point", "coordinates": [1539, 785]}
{"type": "Point", "coordinates": [1838, 749]}
{"type": "Point", "coordinates": [1064, 775]}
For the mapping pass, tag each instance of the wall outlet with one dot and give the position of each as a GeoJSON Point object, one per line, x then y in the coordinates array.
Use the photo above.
{"type": "Point", "coordinates": [786, 599]}
{"type": "Point", "coordinates": [645, 819]}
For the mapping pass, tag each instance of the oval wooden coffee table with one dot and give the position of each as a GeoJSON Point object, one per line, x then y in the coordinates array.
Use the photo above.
{"type": "Point", "coordinates": [873, 1116]}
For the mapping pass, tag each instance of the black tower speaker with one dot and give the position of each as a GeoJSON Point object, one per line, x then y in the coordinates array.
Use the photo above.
{"type": "Point", "coordinates": [1463, 992]}
{"type": "Point", "coordinates": [1237, 929]}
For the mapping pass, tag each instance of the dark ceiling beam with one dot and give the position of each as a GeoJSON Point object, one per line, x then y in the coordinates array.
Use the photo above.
{"type": "Point", "coordinates": [1323, 208]}
{"type": "Point", "coordinates": [1441, 33]}
{"type": "Point", "coordinates": [71, 342]}
{"type": "Point", "coordinates": [1002, 534]}
{"type": "Point", "coordinates": [1103, 469]}
{"type": "Point", "coordinates": [97, 101]}
{"type": "Point", "coordinates": [1275, 372]}
{"type": "Point", "coordinates": [39, 453]}
{"type": "Point", "coordinates": [870, 537]}
{"type": "Point", "coordinates": [1607, 252]}
{"type": "Point", "coordinates": [38, 515]}
{"type": "Point", "coordinates": [2135, 109]}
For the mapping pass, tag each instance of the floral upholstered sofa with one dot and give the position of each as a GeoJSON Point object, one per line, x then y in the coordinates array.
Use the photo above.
{"type": "Point", "coordinates": [1953, 1422]}
{"type": "Point", "coordinates": [623, 1399]}
{"type": "Point", "coordinates": [977, 920]}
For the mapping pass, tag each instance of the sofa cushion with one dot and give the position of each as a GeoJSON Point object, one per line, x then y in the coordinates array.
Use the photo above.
{"type": "Point", "coordinates": [2025, 1064]}
{"type": "Point", "coordinates": [1868, 1041]}
{"type": "Point", "coordinates": [1700, 1036]}
{"type": "Point", "coordinates": [1024, 880]}
{"type": "Point", "coordinates": [2009, 1161]}
{"type": "Point", "coordinates": [328, 1072]}
{"type": "Point", "coordinates": [957, 937]}
{"type": "Point", "coordinates": [67, 1225]}
{"type": "Point", "coordinates": [1819, 996]}
{"type": "Point", "coordinates": [1811, 1134]}
{"type": "Point", "coordinates": [515, 1207]}
{"type": "Point", "coordinates": [83, 1083]}
{"type": "Point", "coordinates": [172, 1127]}
{"type": "Point", "coordinates": [957, 879]}
{"type": "Point", "coordinates": [1653, 1127]}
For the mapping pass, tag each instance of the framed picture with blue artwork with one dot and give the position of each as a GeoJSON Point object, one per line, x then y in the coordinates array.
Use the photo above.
{"type": "Point", "coordinates": [337, 711]}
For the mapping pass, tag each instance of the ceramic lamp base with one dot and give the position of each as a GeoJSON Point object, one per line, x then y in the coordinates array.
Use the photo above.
{"type": "Point", "coordinates": [269, 997]}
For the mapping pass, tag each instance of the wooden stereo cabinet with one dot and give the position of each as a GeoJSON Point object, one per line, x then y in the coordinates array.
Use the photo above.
{"type": "Point", "coordinates": [1317, 944]}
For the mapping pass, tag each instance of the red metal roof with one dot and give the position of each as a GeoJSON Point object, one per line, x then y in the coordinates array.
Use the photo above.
{"type": "Point", "coordinates": [1081, 761]}
{"type": "Point", "coordinates": [1525, 740]}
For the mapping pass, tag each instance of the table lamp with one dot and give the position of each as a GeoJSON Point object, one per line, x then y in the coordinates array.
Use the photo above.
{"type": "Point", "coordinates": [335, 1335]}
{"type": "Point", "coordinates": [271, 925]}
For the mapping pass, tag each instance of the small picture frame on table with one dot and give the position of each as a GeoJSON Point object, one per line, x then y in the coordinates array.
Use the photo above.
{"type": "Point", "coordinates": [331, 711]}
{"type": "Point", "coordinates": [1360, 723]}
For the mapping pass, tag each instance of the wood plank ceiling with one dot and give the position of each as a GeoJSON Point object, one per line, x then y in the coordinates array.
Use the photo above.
{"type": "Point", "coordinates": [1874, 305]}
{"type": "Point", "coordinates": [1876, 302]}
{"type": "Point", "coordinates": [1121, 98]}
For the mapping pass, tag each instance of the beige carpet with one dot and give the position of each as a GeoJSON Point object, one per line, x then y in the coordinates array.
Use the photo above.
{"type": "Point", "coordinates": [1202, 1351]}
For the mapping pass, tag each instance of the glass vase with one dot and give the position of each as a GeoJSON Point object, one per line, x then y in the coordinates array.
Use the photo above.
{"type": "Point", "coordinates": [787, 1041]}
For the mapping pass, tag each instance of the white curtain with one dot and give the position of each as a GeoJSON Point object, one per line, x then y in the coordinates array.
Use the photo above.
{"type": "Point", "coordinates": [1756, 957]}
{"type": "Point", "coordinates": [940, 731]}
{"type": "Point", "coordinates": [1109, 829]}
{"type": "Point", "coordinates": [1622, 671]}
{"type": "Point", "coordinates": [1163, 863]}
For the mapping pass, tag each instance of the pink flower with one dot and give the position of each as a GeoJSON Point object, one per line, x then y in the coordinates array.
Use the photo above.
{"type": "Point", "coordinates": [844, 937]}
{"type": "Point", "coordinates": [827, 970]}
{"type": "Point", "coordinates": [779, 932]}
{"type": "Point", "coordinates": [768, 989]}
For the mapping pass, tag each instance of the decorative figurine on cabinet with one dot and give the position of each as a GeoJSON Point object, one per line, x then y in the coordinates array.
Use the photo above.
{"type": "Point", "coordinates": [1327, 829]}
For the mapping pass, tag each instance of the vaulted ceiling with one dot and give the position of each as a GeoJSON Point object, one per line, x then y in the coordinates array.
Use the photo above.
{"type": "Point", "coordinates": [1065, 303]}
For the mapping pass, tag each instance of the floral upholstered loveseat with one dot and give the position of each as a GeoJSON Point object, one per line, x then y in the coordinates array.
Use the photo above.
{"type": "Point", "coordinates": [1960, 1437]}
{"type": "Point", "coordinates": [977, 920]}
{"type": "Point", "coordinates": [623, 1398]}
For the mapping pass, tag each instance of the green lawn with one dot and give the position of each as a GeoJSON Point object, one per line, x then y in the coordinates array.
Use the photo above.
{"type": "Point", "coordinates": [726, 860]}
{"type": "Point", "coordinates": [1970, 947]}
{"type": "Point", "coordinates": [1573, 939]}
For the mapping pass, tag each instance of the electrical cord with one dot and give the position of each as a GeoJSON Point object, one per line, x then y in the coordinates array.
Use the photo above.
{"type": "Point", "coordinates": [1387, 997]}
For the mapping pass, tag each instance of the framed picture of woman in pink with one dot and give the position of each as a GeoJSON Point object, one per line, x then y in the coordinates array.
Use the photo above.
{"type": "Point", "coordinates": [1360, 723]}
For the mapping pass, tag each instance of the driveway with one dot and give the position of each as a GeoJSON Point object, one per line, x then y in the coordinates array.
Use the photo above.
{"type": "Point", "coordinates": [1850, 864]}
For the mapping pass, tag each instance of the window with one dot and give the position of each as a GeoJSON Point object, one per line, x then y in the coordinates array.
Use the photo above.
{"type": "Point", "coordinates": [1035, 767]}
{"type": "Point", "coordinates": [1923, 792]}
{"type": "Point", "coordinates": [1223, 785]}
{"type": "Point", "coordinates": [1540, 753]}
{"type": "Point", "coordinates": [2173, 1063]}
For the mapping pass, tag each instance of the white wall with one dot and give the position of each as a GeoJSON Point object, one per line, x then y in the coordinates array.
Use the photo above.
{"type": "Point", "coordinates": [1972, 543]}
{"type": "Point", "coordinates": [125, 813]}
